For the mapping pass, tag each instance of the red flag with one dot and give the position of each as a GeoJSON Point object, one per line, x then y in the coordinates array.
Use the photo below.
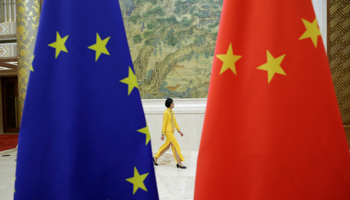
{"type": "Point", "coordinates": [272, 127]}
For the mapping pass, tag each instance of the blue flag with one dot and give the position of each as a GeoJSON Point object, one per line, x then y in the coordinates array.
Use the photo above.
{"type": "Point", "coordinates": [83, 133]}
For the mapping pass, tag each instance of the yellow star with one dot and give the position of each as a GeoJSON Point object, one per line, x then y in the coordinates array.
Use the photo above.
{"type": "Point", "coordinates": [59, 44]}
{"type": "Point", "coordinates": [31, 66]}
{"type": "Point", "coordinates": [131, 81]}
{"type": "Point", "coordinates": [229, 60]}
{"type": "Point", "coordinates": [137, 180]}
{"type": "Point", "coordinates": [99, 46]}
{"type": "Point", "coordinates": [272, 66]}
{"type": "Point", "coordinates": [312, 31]}
{"type": "Point", "coordinates": [145, 131]}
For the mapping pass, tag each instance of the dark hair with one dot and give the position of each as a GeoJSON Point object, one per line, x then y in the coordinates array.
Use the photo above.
{"type": "Point", "coordinates": [168, 102]}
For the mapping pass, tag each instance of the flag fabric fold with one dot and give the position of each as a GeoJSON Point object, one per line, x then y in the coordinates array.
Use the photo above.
{"type": "Point", "coordinates": [272, 127]}
{"type": "Point", "coordinates": [83, 132]}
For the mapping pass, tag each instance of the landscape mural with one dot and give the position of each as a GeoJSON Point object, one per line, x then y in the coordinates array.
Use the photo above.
{"type": "Point", "coordinates": [172, 44]}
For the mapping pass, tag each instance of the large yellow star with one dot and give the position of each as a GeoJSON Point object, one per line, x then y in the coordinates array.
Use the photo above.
{"type": "Point", "coordinates": [229, 60]}
{"type": "Point", "coordinates": [272, 66]}
{"type": "Point", "coordinates": [99, 46]}
{"type": "Point", "coordinates": [131, 81]}
{"type": "Point", "coordinates": [59, 44]}
{"type": "Point", "coordinates": [145, 131]}
{"type": "Point", "coordinates": [137, 181]}
{"type": "Point", "coordinates": [312, 31]}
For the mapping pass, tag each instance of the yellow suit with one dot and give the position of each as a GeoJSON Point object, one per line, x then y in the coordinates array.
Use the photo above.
{"type": "Point", "coordinates": [168, 129]}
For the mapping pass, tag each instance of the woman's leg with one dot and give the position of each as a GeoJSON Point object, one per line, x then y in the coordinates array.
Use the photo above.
{"type": "Point", "coordinates": [177, 157]}
{"type": "Point", "coordinates": [175, 147]}
{"type": "Point", "coordinates": [161, 151]}
{"type": "Point", "coordinates": [163, 148]}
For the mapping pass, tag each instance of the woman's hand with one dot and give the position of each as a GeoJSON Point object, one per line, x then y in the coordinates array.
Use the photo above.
{"type": "Point", "coordinates": [162, 137]}
{"type": "Point", "coordinates": [181, 134]}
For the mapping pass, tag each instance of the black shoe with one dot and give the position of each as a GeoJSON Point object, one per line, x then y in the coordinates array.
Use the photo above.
{"type": "Point", "coordinates": [154, 162]}
{"type": "Point", "coordinates": [182, 167]}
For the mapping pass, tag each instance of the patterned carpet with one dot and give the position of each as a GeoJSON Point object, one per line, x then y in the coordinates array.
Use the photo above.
{"type": "Point", "coordinates": [8, 142]}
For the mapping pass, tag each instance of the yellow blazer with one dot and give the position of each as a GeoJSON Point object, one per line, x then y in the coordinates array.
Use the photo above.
{"type": "Point", "coordinates": [169, 122]}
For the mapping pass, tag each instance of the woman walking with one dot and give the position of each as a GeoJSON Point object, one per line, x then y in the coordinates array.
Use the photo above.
{"type": "Point", "coordinates": [168, 129]}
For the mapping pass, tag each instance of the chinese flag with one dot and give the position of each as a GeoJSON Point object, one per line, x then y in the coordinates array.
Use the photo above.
{"type": "Point", "coordinates": [272, 128]}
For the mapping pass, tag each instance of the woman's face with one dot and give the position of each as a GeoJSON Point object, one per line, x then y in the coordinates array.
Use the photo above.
{"type": "Point", "coordinates": [172, 105]}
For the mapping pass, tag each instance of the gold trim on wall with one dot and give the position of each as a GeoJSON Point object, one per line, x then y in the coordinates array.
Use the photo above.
{"type": "Point", "coordinates": [339, 53]}
{"type": "Point", "coordinates": [28, 14]}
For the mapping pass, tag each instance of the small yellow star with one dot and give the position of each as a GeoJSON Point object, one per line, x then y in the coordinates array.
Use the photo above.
{"type": "Point", "coordinates": [145, 131]}
{"type": "Point", "coordinates": [100, 46]}
{"type": "Point", "coordinates": [31, 66]}
{"type": "Point", "coordinates": [312, 31]}
{"type": "Point", "coordinates": [137, 181]}
{"type": "Point", "coordinates": [272, 66]}
{"type": "Point", "coordinates": [229, 60]}
{"type": "Point", "coordinates": [131, 81]}
{"type": "Point", "coordinates": [59, 44]}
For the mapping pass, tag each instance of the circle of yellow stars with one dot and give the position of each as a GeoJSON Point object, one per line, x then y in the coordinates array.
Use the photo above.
{"type": "Point", "coordinates": [273, 65]}
{"type": "Point", "coordinates": [100, 48]}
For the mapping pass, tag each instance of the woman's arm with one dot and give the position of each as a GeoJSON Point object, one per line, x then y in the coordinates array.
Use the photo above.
{"type": "Point", "coordinates": [165, 119]}
{"type": "Point", "coordinates": [177, 127]}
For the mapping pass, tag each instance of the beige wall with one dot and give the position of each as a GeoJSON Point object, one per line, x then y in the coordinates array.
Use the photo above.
{"type": "Point", "coordinates": [320, 7]}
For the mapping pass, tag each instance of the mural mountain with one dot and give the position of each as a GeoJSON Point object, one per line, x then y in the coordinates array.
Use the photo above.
{"type": "Point", "coordinates": [172, 44]}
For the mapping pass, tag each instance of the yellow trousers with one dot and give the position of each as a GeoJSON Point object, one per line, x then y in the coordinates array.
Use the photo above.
{"type": "Point", "coordinates": [175, 147]}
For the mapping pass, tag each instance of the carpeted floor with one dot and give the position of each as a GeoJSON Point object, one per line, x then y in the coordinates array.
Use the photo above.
{"type": "Point", "coordinates": [8, 141]}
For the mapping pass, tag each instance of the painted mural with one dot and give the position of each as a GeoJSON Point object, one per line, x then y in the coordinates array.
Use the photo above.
{"type": "Point", "coordinates": [172, 44]}
{"type": "Point", "coordinates": [2, 14]}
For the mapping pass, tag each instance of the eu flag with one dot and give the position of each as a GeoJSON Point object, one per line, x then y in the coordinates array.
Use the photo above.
{"type": "Point", "coordinates": [83, 133]}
